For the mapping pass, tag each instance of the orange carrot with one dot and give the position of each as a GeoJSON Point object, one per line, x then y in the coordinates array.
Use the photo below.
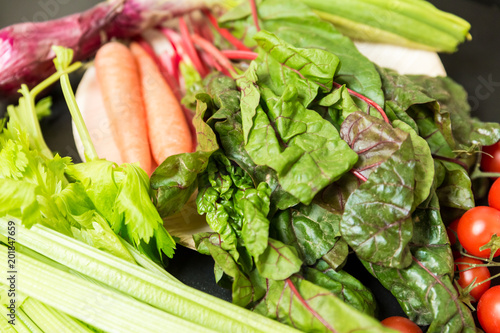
{"type": "Point", "coordinates": [120, 84]}
{"type": "Point", "coordinates": [168, 129]}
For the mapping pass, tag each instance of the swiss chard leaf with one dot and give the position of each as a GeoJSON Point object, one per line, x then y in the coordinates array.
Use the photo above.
{"type": "Point", "coordinates": [424, 164]}
{"type": "Point", "coordinates": [452, 99]}
{"type": "Point", "coordinates": [428, 129]}
{"type": "Point", "coordinates": [278, 262]}
{"type": "Point", "coordinates": [456, 189]}
{"type": "Point", "coordinates": [337, 256]}
{"type": "Point", "coordinates": [234, 207]}
{"type": "Point", "coordinates": [243, 290]}
{"type": "Point", "coordinates": [311, 230]}
{"type": "Point", "coordinates": [300, 303]}
{"type": "Point", "coordinates": [335, 196]}
{"type": "Point", "coordinates": [447, 111]}
{"type": "Point", "coordinates": [304, 149]}
{"type": "Point", "coordinates": [340, 105]}
{"type": "Point", "coordinates": [485, 134]}
{"type": "Point", "coordinates": [254, 206]}
{"type": "Point", "coordinates": [377, 220]}
{"type": "Point", "coordinates": [296, 24]}
{"type": "Point", "coordinates": [344, 286]}
{"type": "Point", "coordinates": [230, 132]}
{"type": "Point", "coordinates": [308, 69]}
{"type": "Point", "coordinates": [424, 289]}
{"type": "Point", "coordinates": [372, 139]}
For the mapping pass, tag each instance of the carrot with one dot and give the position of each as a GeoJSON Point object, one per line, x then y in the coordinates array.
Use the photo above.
{"type": "Point", "coordinates": [120, 84]}
{"type": "Point", "coordinates": [169, 132]}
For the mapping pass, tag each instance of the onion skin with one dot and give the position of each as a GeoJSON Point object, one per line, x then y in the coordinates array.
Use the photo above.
{"type": "Point", "coordinates": [25, 48]}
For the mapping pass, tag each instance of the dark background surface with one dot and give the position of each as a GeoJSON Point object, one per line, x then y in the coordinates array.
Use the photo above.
{"type": "Point", "coordinates": [476, 66]}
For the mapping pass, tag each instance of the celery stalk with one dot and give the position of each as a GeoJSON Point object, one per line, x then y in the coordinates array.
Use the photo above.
{"type": "Point", "coordinates": [4, 324]}
{"type": "Point", "coordinates": [173, 297]}
{"type": "Point", "coordinates": [62, 62]}
{"type": "Point", "coordinates": [101, 307]}
{"type": "Point", "coordinates": [148, 264]}
{"type": "Point", "coordinates": [26, 320]}
{"type": "Point", "coordinates": [411, 23]}
{"type": "Point", "coordinates": [51, 320]}
{"type": "Point", "coordinates": [5, 327]}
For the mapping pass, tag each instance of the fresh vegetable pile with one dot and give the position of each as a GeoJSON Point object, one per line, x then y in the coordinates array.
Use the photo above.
{"type": "Point", "coordinates": [307, 154]}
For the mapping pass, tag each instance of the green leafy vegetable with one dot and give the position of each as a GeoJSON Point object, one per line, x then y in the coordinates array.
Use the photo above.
{"type": "Point", "coordinates": [304, 149]}
{"type": "Point", "coordinates": [424, 289]}
{"type": "Point", "coordinates": [278, 261]}
{"type": "Point", "coordinates": [344, 286]}
{"type": "Point", "coordinates": [377, 220]}
{"type": "Point", "coordinates": [311, 230]}
{"type": "Point", "coordinates": [307, 306]}
{"type": "Point", "coordinates": [424, 164]}
{"type": "Point", "coordinates": [456, 188]}
{"type": "Point", "coordinates": [296, 24]}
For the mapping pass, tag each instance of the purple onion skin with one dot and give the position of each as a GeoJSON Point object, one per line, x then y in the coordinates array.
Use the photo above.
{"type": "Point", "coordinates": [26, 49]}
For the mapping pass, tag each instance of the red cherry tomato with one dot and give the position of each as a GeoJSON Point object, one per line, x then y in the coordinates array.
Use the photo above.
{"type": "Point", "coordinates": [476, 227]}
{"type": "Point", "coordinates": [488, 163]}
{"type": "Point", "coordinates": [494, 195]}
{"type": "Point", "coordinates": [488, 310]}
{"type": "Point", "coordinates": [451, 230]}
{"type": "Point", "coordinates": [401, 324]}
{"type": "Point", "coordinates": [467, 276]}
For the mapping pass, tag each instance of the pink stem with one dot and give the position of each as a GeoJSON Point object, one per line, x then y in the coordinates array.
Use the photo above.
{"type": "Point", "coordinates": [255, 15]}
{"type": "Point", "coordinates": [236, 54]}
{"type": "Point", "coordinates": [178, 50]}
{"type": "Point", "coordinates": [205, 31]}
{"type": "Point", "coordinates": [366, 100]}
{"type": "Point", "coordinates": [212, 50]}
{"type": "Point", "coordinates": [190, 49]}
{"type": "Point", "coordinates": [225, 33]}
{"type": "Point", "coordinates": [359, 175]}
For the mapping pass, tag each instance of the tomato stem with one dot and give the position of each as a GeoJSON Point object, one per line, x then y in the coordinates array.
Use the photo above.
{"type": "Point", "coordinates": [486, 280]}
{"type": "Point", "coordinates": [480, 174]}
{"type": "Point", "coordinates": [489, 262]}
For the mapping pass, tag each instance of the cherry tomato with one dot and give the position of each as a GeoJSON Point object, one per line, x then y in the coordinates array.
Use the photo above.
{"type": "Point", "coordinates": [494, 195]}
{"type": "Point", "coordinates": [488, 310]}
{"type": "Point", "coordinates": [401, 324]}
{"type": "Point", "coordinates": [476, 227]}
{"type": "Point", "coordinates": [478, 273]}
{"type": "Point", "coordinates": [451, 230]}
{"type": "Point", "coordinates": [488, 163]}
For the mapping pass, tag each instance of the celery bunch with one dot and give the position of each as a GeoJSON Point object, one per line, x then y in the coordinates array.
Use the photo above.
{"type": "Point", "coordinates": [411, 23]}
